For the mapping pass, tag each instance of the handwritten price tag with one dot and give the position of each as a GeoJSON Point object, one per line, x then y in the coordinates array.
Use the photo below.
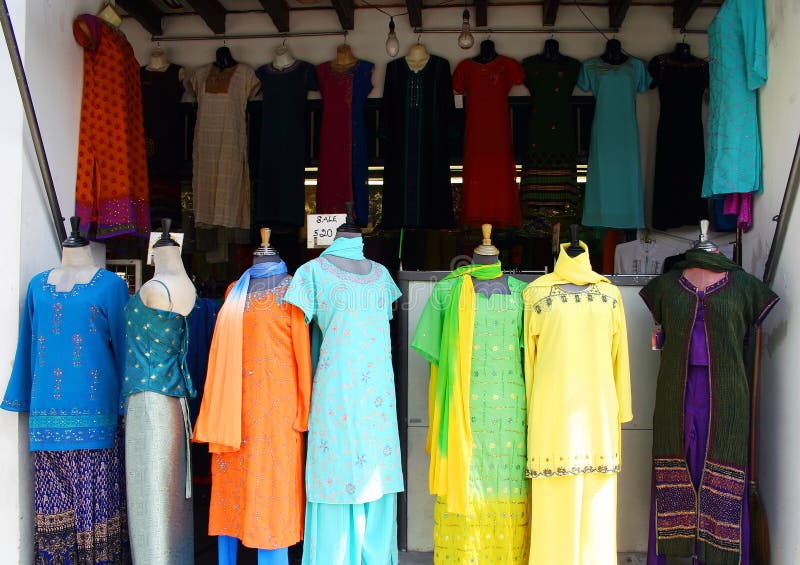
{"type": "Point", "coordinates": [322, 229]}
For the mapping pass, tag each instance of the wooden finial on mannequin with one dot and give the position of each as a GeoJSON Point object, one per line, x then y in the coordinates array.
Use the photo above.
{"type": "Point", "coordinates": [486, 247]}
{"type": "Point", "coordinates": [265, 234]}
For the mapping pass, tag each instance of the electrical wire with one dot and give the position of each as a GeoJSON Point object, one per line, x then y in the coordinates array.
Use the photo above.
{"type": "Point", "coordinates": [588, 19]}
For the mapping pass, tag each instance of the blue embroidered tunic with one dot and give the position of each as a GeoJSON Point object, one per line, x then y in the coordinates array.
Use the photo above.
{"type": "Point", "coordinates": [157, 344]}
{"type": "Point", "coordinates": [353, 440]}
{"type": "Point", "coordinates": [69, 358]}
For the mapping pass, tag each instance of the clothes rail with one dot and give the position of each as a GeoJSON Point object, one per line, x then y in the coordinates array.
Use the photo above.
{"type": "Point", "coordinates": [534, 30]}
{"type": "Point", "coordinates": [223, 37]}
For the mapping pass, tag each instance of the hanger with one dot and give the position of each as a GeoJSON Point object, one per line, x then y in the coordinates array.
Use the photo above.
{"type": "Point", "coordinates": [419, 38]}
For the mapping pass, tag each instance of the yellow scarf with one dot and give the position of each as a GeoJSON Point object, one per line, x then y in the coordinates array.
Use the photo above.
{"type": "Point", "coordinates": [571, 270]}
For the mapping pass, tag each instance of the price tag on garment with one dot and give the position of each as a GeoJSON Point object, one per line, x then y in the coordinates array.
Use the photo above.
{"type": "Point", "coordinates": [322, 229]}
{"type": "Point", "coordinates": [155, 236]}
{"type": "Point", "coordinates": [458, 100]}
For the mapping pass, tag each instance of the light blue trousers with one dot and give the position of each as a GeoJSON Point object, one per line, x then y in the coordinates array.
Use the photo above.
{"type": "Point", "coordinates": [227, 547]}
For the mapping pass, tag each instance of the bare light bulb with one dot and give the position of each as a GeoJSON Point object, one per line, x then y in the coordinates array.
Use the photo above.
{"type": "Point", "coordinates": [392, 44]}
{"type": "Point", "coordinates": [465, 39]}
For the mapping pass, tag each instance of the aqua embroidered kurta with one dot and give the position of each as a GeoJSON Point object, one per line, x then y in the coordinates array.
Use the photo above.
{"type": "Point", "coordinates": [353, 439]}
{"type": "Point", "coordinates": [70, 355]}
{"type": "Point", "coordinates": [737, 45]}
{"type": "Point", "coordinates": [494, 528]}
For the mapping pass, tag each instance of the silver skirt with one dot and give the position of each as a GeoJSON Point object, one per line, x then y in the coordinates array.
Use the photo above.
{"type": "Point", "coordinates": [158, 475]}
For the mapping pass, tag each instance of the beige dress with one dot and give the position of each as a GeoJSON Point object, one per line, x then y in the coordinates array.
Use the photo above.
{"type": "Point", "coordinates": [220, 177]}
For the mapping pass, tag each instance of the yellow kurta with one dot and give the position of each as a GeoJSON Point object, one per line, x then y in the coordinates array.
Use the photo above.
{"type": "Point", "coordinates": [577, 379]}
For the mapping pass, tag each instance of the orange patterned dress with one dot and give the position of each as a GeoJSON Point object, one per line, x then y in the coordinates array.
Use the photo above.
{"type": "Point", "coordinates": [258, 492]}
{"type": "Point", "coordinates": [111, 189]}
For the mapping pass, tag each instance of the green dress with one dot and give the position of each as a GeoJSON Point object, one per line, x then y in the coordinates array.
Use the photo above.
{"type": "Point", "coordinates": [495, 529]}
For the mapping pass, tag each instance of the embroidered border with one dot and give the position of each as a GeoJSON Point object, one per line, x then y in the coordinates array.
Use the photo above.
{"type": "Point", "coordinates": [676, 501]}
{"type": "Point", "coordinates": [721, 496]}
{"type": "Point", "coordinates": [574, 470]}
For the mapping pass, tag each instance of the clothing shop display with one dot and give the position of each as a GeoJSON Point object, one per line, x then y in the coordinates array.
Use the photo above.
{"type": "Point", "coordinates": [280, 197]}
{"type": "Point", "coordinates": [220, 173]}
{"type": "Point", "coordinates": [66, 373]}
{"type": "Point", "coordinates": [737, 45]}
{"type": "Point", "coordinates": [418, 116]}
{"type": "Point", "coordinates": [489, 192]}
{"type": "Point", "coordinates": [642, 257]}
{"type": "Point", "coordinates": [353, 460]}
{"type": "Point", "coordinates": [614, 191]}
{"type": "Point", "coordinates": [163, 134]}
{"type": "Point", "coordinates": [111, 194]}
{"type": "Point", "coordinates": [254, 412]}
{"type": "Point", "coordinates": [157, 434]}
{"type": "Point", "coordinates": [680, 144]}
{"type": "Point", "coordinates": [576, 405]}
{"type": "Point", "coordinates": [548, 188]}
{"type": "Point", "coordinates": [202, 321]}
{"type": "Point", "coordinates": [702, 395]}
{"type": "Point", "coordinates": [343, 155]}
{"type": "Point", "coordinates": [477, 447]}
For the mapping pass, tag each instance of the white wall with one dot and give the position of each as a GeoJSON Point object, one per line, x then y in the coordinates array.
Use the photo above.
{"type": "Point", "coordinates": [779, 416]}
{"type": "Point", "coordinates": [53, 63]}
{"type": "Point", "coordinates": [647, 32]}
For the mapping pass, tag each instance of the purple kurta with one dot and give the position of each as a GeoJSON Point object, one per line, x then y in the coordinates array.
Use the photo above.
{"type": "Point", "coordinates": [695, 425]}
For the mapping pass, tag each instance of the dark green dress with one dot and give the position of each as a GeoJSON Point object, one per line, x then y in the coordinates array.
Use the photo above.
{"type": "Point", "coordinates": [549, 187]}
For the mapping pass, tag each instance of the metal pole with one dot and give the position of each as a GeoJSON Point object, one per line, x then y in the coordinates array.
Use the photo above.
{"type": "Point", "coordinates": [782, 219]}
{"type": "Point", "coordinates": [33, 124]}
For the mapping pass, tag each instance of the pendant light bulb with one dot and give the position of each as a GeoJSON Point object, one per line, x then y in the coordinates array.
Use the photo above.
{"type": "Point", "coordinates": [465, 39]}
{"type": "Point", "coordinates": [392, 44]}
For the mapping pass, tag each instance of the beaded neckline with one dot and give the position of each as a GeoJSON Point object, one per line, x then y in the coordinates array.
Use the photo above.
{"type": "Point", "coordinates": [77, 287]}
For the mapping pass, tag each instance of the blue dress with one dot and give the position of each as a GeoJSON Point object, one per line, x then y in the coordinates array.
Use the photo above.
{"type": "Point", "coordinates": [614, 189]}
{"type": "Point", "coordinates": [70, 356]}
{"type": "Point", "coordinates": [353, 440]}
{"type": "Point", "coordinates": [738, 65]}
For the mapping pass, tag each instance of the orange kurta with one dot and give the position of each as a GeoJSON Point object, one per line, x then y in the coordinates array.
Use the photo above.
{"type": "Point", "coordinates": [111, 188]}
{"type": "Point", "coordinates": [257, 492]}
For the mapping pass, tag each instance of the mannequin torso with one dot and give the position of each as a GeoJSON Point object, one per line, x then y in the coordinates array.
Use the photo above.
{"type": "Point", "coordinates": [77, 267]}
{"type": "Point", "coordinates": [613, 54]}
{"type": "Point", "coordinates": [170, 271]}
{"type": "Point", "coordinates": [703, 278]}
{"type": "Point", "coordinates": [493, 286]}
{"type": "Point", "coordinates": [159, 63]}
{"type": "Point", "coordinates": [344, 58]}
{"type": "Point", "coordinates": [224, 58]}
{"type": "Point", "coordinates": [266, 283]}
{"type": "Point", "coordinates": [355, 266]}
{"type": "Point", "coordinates": [283, 58]}
{"type": "Point", "coordinates": [487, 53]}
{"type": "Point", "coordinates": [417, 57]}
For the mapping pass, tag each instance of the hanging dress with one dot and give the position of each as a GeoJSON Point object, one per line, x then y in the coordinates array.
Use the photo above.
{"type": "Point", "coordinates": [220, 173]}
{"type": "Point", "coordinates": [111, 193]}
{"type": "Point", "coordinates": [70, 356]}
{"type": "Point", "coordinates": [489, 193]}
{"type": "Point", "coordinates": [492, 525]}
{"type": "Point", "coordinates": [614, 192]}
{"type": "Point", "coordinates": [417, 122]}
{"type": "Point", "coordinates": [343, 154]}
{"type": "Point", "coordinates": [283, 153]}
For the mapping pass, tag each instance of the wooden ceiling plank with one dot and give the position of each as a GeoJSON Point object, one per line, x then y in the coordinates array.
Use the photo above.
{"type": "Point", "coordinates": [617, 9]}
{"type": "Point", "coordinates": [549, 12]}
{"type": "Point", "coordinates": [212, 12]}
{"type": "Point", "coordinates": [145, 13]}
{"type": "Point", "coordinates": [682, 12]}
{"type": "Point", "coordinates": [481, 13]}
{"type": "Point", "coordinates": [414, 8]}
{"type": "Point", "coordinates": [278, 10]}
{"type": "Point", "coordinates": [345, 9]}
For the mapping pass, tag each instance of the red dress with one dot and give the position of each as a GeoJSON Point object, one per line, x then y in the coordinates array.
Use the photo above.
{"type": "Point", "coordinates": [489, 193]}
{"type": "Point", "coordinates": [111, 189]}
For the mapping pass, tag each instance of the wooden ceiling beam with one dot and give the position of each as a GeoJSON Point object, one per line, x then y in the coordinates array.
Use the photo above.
{"type": "Point", "coordinates": [549, 12]}
{"type": "Point", "coordinates": [682, 12]}
{"type": "Point", "coordinates": [145, 13]}
{"type": "Point", "coordinates": [212, 12]}
{"type": "Point", "coordinates": [345, 9]}
{"type": "Point", "coordinates": [278, 10]}
{"type": "Point", "coordinates": [481, 13]}
{"type": "Point", "coordinates": [414, 8]}
{"type": "Point", "coordinates": [617, 9]}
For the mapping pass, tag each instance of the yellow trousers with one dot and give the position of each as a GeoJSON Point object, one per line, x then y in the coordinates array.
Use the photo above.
{"type": "Point", "coordinates": [574, 520]}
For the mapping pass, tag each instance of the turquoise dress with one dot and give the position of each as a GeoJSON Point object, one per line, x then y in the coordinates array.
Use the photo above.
{"type": "Point", "coordinates": [737, 46]}
{"type": "Point", "coordinates": [614, 189]}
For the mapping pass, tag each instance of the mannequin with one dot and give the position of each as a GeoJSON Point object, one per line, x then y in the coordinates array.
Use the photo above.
{"type": "Point", "coordinates": [703, 278]}
{"type": "Point", "coordinates": [488, 254]}
{"type": "Point", "coordinates": [109, 15]}
{"type": "Point", "coordinates": [159, 63]}
{"type": "Point", "coordinates": [266, 254]}
{"type": "Point", "coordinates": [613, 54]}
{"type": "Point", "coordinates": [551, 52]}
{"type": "Point", "coordinates": [683, 51]}
{"type": "Point", "coordinates": [573, 250]}
{"type": "Point", "coordinates": [171, 272]}
{"type": "Point", "coordinates": [344, 58]}
{"type": "Point", "coordinates": [417, 57]}
{"type": "Point", "coordinates": [487, 54]}
{"type": "Point", "coordinates": [224, 58]}
{"type": "Point", "coordinates": [283, 57]}
{"type": "Point", "coordinates": [348, 230]}
{"type": "Point", "coordinates": [77, 264]}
